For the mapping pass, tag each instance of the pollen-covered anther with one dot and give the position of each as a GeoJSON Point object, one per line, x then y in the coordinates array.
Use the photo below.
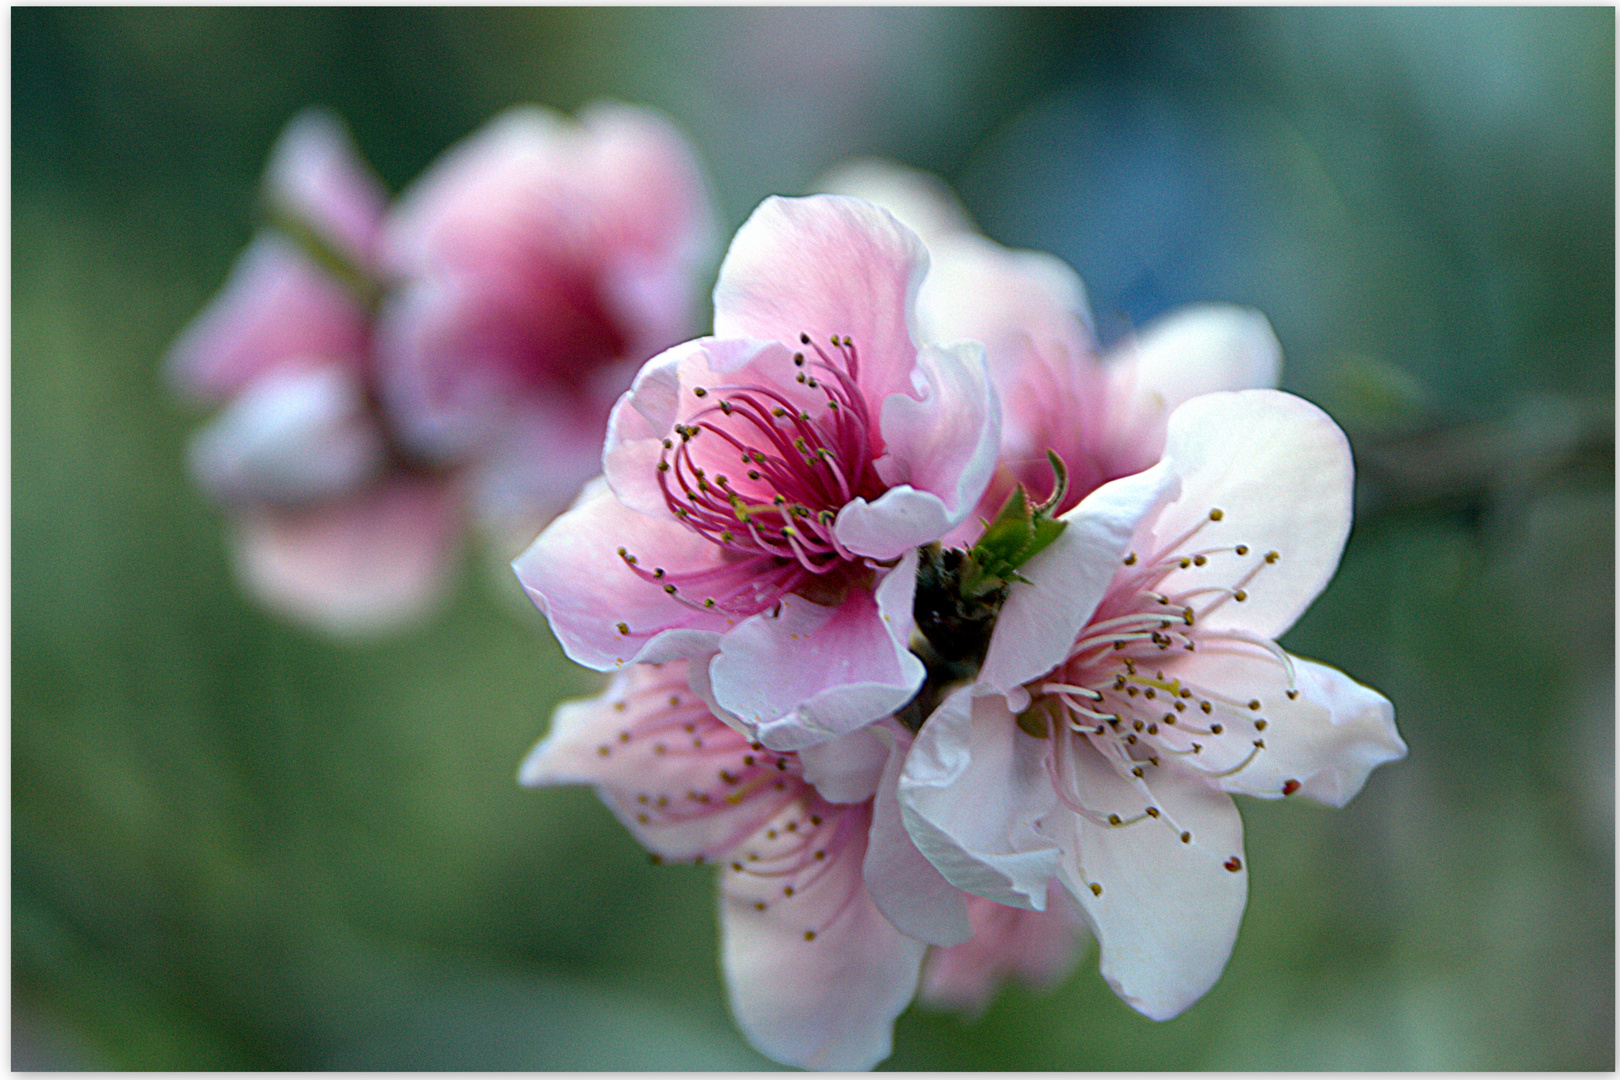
{"type": "Point", "coordinates": [1096, 889]}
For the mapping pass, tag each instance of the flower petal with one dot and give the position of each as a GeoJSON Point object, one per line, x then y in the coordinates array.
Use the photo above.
{"type": "Point", "coordinates": [904, 885]}
{"type": "Point", "coordinates": [848, 768]}
{"type": "Point", "coordinates": [365, 565]}
{"type": "Point", "coordinates": [1195, 350]}
{"type": "Point", "coordinates": [806, 673]}
{"type": "Point", "coordinates": [1165, 912]}
{"type": "Point", "coordinates": [631, 742]}
{"type": "Point", "coordinates": [297, 434]}
{"type": "Point", "coordinates": [317, 176]}
{"type": "Point", "coordinates": [920, 201]}
{"type": "Point", "coordinates": [1040, 619]}
{"type": "Point", "coordinates": [970, 791]}
{"type": "Point", "coordinates": [1039, 948]}
{"type": "Point", "coordinates": [817, 978]}
{"type": "Point", "coordinates": [574, 574]}
{"type": "Point", "coordinates": [941, 450]}
{"type": "Point", "coordinates": [1320, 743]}
{"type": "Point", "coordinates": [821, 266]}
{"type": "Point", "coordinates": [276, 305]}
{"type": "Point", "coordinates": [1278, 470]}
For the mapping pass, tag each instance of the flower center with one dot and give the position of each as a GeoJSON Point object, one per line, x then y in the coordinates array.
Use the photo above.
{"type": "Point", "coordinates": [800, 458]}
{"type": "Point", "coordinates": [1113, 692]}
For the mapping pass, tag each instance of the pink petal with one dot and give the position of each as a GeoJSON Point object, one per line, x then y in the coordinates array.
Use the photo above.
{"type": "Point", "coordinates": [500, 191]}
{"type": "Point", "coordinates": [1195, 350]}
{"type": "Point", "coordinates": [574, 573]}
{"type": "Point", "coordinates": [365, 565]}
{"type": "Point", "coordinates": [1038, 948]}
{"type": "Point", "coordinates": [631, 742]}
{"type": "Point", "coordinates": [815, 979]}
{"type": "Point", "coordinates": [460, 355]}
{"type": "Point", "coordinates": [1041, 618]}
{"type": "Point", "coordinates": [317, 176]}
{"type": "Point", "coordinates": [657, 219]}
{"type": "Point", "coordinates": [821, 266]}
{"type": "Point", "coordinates": [904, 885]}
{"type": "Point", "coordinates": [831, 669]}
{"type": "Point", "coordinates": [971, 790]}
{"type": "Point", "coordinates": [1030, 311]}
{"type": "Point", "coordinates": [1165, 912]}
{"type": "Point", "coordinates": [941, 451]}
{"type": "Point", "coordinates": [276, 305]}
{"type": "Point", "coordinates": [1279, 472]}
{"type": "Point", "coordinates": [848, 768]}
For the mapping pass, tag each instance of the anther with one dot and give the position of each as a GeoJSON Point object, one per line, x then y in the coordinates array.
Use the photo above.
{"type": "Point", "coordinates": [1233, 864]}
{"type": "Point", "coordinates": [1272, 556]}
{"type": "Point", "coordinates": [1242, 549]}
{"type": "Point", "coordinates": [1096, 889]}
{"type": "Point", "coordinates": [1259, 725]}
{"type": "Point", "coordinates": [622, 628]}
{"type": "Point", "coordinates": [698, 391]}
{"type": "Point", "coordinates": [1254, 703]}
{"type": "Point", "coordinates": [1240, 596]}
{"type": "Point", "coordinates": [1114, 819]}
{"type": "Point", "coordinates": [809, 935]}
{"type": "Point", "coordinates": [1130, 560]}
{"type": "Point", "coordinates": [1186, 838]}
{"type": "Point", "coordinates": [1152, 811]}
{"type": "Point", "coordinates": [1290, 787]}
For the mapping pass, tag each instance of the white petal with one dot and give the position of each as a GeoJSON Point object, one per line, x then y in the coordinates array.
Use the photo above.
{"type": "Point", "coordinates": [1195, 350]}
{"type": "Point", "coordinates": [971, 790]}
{"type": "Point", "coordinates": [1041, 618]}
{"type": "Point", "coordinates": [905, 886]}
{"type": "Point", "coordinates": [1279, 471]}
{"type": "Point", "coordinates": [1165, 912]}
{"type": "Point", "coordinates": [1321, 744]}
{"type": "Point", "coordinates": [815, 979]}
{"type": "Point", "coordinates": [919, 200]}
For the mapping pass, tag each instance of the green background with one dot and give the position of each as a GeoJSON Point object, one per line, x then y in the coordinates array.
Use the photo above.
{"type": "Point", "coordinates": [237, 845]}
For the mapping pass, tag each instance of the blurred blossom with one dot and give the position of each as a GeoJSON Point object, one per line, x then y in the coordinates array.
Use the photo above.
{"type": "Point", "coordinates": [519, 284]}
{"type": "Point", "coordinates": [1134, 682]}
{"type": "Point", "coordinates": [817, 876]}
{"type": "Point", "coordinates": [766, 488]}
{"type": "Point", "coordinates": [539, 263]}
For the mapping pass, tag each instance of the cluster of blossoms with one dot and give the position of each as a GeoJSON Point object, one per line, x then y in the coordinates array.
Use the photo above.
{"type": "Point", "coordinates": [944, 635]}
{"type": "Point", "coordinates": [387, 372]}
{"type": "Point", "coordinates": [932, 731]}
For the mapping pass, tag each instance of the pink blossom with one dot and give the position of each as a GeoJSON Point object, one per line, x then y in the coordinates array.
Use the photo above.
{"type": "Point", "coordinates": [540, 261]}
{"type": "Point", "coordinates": [1135, 683]}
{"type": "Point", "coordinates": [536, 266]}
{"type": "Point", "coordinates": [766, 488]}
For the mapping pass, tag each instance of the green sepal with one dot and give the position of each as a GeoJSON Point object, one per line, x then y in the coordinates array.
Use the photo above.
{"type": "Point", "coordinates": [1018, 533]}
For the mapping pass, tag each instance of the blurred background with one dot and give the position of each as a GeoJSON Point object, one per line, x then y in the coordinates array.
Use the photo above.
{"type": "Point", "coordinates": [236, 845]}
